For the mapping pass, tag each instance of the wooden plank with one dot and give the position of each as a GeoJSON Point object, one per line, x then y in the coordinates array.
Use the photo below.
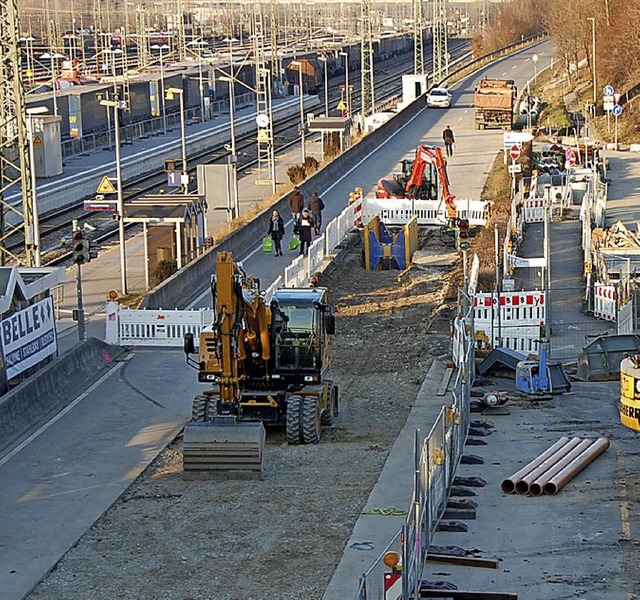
{"type": "Point", "coordinates": [446, 378]}
{"type": "Point", "coordinates": [465, 561]}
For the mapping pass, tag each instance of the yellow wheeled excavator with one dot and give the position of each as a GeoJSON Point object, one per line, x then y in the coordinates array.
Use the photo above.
{"type": "Point", "coordinates": [263, 365]}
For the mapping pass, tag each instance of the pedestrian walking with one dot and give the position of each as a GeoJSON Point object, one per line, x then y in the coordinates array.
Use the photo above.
{"type": "Point", "coordinates": [316, 206]}
{"type": "Point", "coordinates": [276, 231]}
{"type": "Point", "coordinates": [449, 140]}
{"type": "Point", "coordinates": [303, 229]}
{"type": "Point", "coordinates": [296, 204]}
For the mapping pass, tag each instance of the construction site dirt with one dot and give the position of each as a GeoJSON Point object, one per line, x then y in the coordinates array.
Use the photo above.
{"type": "Point", "coordinates": [281, 537]}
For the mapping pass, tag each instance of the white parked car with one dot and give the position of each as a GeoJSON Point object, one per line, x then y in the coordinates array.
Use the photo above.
{"type": "Point", "coordinates": [439, 97]}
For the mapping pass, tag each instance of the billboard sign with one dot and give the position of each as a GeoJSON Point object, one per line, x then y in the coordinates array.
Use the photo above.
{"type": "Point", "coordinates": [28, 337]}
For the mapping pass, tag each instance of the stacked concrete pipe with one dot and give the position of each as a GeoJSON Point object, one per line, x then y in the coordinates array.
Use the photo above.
{"type": "Point", "coordinates": [555, 467]}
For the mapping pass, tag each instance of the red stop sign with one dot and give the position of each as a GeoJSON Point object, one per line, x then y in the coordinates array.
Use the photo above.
{"type": "Point", "coordinates": [515, 152]}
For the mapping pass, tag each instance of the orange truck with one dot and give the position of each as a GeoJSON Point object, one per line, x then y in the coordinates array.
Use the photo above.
{"type": "Point", "coordinates": [494, 102]}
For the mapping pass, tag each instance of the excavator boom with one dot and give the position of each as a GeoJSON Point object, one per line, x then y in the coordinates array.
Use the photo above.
{"type": "Point", "coordinates": [421, 185]}
{"type": "Point", "coordinates": [215, 440]}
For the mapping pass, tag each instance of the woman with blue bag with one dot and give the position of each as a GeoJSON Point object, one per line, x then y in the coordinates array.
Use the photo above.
{"type": "Point", "coordinates": [276, 231]}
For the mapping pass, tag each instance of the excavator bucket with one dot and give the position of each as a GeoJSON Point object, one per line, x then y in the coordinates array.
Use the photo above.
{"type": "Point", "coordinates": [223, 447]}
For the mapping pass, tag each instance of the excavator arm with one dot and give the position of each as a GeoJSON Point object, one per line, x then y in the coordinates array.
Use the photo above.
{"type": "Point", "coordinates": [238, 339]}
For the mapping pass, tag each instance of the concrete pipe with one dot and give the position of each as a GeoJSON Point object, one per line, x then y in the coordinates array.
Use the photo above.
{"type": "Point", "coordinates": [536, 487]}
{"type": "Point", "coordinates": [508, 485]}
{"type": "Point", "coordinates": [522, 485]}
{"type": "Point", "coordinates": [556, 483]}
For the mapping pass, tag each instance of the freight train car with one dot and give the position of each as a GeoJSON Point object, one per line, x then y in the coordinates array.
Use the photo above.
{"type": "Point", "coordinates": [312, 75]}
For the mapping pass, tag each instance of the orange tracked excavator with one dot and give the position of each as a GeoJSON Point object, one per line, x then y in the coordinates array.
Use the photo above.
{"type": "Point", "coordinates": [264, 364]}
{"type": "Point", "coordinates": [423, 178]}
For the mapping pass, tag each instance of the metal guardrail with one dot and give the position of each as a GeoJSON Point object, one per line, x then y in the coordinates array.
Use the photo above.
{"type": "Point", "coordinates": [146, 128]}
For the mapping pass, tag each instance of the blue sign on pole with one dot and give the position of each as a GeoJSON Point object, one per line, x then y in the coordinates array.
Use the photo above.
{"type": "Point", "coordinates": [608, 90]}
{"type": "Point", "coordinates": [617, 110]}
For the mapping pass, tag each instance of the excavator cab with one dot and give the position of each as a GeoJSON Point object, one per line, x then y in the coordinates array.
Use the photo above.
{"type": "Point", "coordinates": [301, 324]}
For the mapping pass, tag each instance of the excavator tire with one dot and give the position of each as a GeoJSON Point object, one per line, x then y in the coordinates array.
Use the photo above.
{"type": "Point", "coordinates": [294, 420]}
{"type": "Point", "coordinates": [199, 409]}
{"type": "Point", "coordinates": [332, 410]}
{"type": "Point", "coordinates": [311, 420]}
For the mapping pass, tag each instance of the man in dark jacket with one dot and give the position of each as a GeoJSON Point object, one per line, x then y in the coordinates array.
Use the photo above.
{"type": "Point", "coordinates": [316, 206]}
{"type": "Point", "coordinates": [296, 204]}
{"type": "Point", "coordinates": [303, 229]}
{"type": "Point", "coordinates": [449, 140]}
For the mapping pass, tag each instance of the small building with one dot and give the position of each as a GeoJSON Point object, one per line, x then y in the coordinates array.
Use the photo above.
{"type": "Point", "coordinates": [336, 134]}
{"type": "Point", "coordinates": [174, 227]}
{"type": "Point", "coordinates": [27, 321]}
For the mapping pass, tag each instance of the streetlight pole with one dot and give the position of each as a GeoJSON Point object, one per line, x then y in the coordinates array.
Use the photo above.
{"type": "Point", "coordinates": [32, 167]}
{"type": "Point", "coordinates": [161, 48]}
{"type": "Point", "coordinates": [346, 83]}
{"type": "Point", "coordinates": [185, 173]}
{"type": "Point", "coordinates": [593, 53]}
{"type": "Point", "coordinates": [53, 56]}
{"type": "Point", "coordinates": [232, 122]}
{"type": "Point", "coordinates": [326, 86]}
{"type": "Point", "coordinates": [298, 64]}
{"type": "Point", "coordinates": [123, 256]}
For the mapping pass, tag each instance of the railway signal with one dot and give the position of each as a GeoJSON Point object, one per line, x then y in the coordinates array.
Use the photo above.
{"type": "Point", "coordinates": [81, 249]}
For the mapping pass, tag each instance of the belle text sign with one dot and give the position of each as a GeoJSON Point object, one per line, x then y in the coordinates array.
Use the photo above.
{"type": "Point", "coordinates": [28, 337]}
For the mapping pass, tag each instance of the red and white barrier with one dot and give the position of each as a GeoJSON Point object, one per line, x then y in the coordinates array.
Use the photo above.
{"type": "Point", "coordinates": [510, 319]}
{"type": "Point", "coordinates": [605, 302]}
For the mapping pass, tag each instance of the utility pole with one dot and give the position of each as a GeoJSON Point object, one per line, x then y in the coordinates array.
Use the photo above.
{"type": "Point", "coordinates": [418, 50]}
{"type": "Point", "coordinates": [14, 145]}
{"type": "Point", "coordinates": [264, 117]}
{"type": "Point", "coordinates": [440, 52]}
{"type": "Point", "coordinates": [366, 51]}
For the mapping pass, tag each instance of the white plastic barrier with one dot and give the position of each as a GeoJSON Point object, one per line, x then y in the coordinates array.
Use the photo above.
{"type": "Point", "coordinates": [605, 302]}
{"type": "Point", "coordinates": [128, 327]}
{"type": "Point", "coordinates": [534, 210]}
{"type": "Point", "coordinates": [271, 290]}
{"type": "Point", "coordinates": [296, 275]}
{"type": "Point", "coordinates": [510, 319]}
{"type": "Point", "coordinates": [315, 257]}
{"type": "Point", "coordinates": [399, 211]}
{"type": "Point", "coordinates": [338, 228]}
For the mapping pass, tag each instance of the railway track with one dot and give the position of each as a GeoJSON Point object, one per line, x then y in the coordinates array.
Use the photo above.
{"type": "Point", "coordinates": [55, 225]}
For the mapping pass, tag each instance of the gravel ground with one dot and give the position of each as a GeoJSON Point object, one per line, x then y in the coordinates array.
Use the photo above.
{"type": "Point", "coordinates": [281, 537]}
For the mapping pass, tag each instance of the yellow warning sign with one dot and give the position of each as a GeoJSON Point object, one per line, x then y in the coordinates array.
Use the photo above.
{"type": "Point", "coordinates": [263, 135]}
{"type": "Point", "coordinates": [37, 140]}
{"type": "Point", "coordinates": [342, 105]}
{"type": "Point", "coordinates": [106, 187]}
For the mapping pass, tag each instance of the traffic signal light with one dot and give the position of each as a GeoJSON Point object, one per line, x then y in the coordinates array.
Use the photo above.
{"type": "Point", "coordinates": [81, 250]}
{"type": "Point", "coordinates": [462, 239]}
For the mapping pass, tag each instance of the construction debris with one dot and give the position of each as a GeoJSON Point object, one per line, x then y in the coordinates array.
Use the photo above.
{"type": "Point", "coordinates": [618, 236]}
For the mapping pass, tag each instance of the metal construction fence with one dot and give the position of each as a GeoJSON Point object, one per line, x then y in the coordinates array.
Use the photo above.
{"type": "Point", "coordinates": [436, 458]}
{"type": "Point", "coordinates": [145, 128]}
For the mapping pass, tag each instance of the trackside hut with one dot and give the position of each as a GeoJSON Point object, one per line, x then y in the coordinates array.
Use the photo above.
{"type": "Point", "coordinates": [27, 321]}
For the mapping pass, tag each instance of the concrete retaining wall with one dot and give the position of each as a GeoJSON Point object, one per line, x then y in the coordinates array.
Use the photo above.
{"type": "Point", "coordinates": [183, 287]}
{"type": "Point", "coordinates": [52, 388]}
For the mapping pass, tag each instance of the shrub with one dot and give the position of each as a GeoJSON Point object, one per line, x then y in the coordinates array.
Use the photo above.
{"type": "Point", "coordinates": [165, 269]}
